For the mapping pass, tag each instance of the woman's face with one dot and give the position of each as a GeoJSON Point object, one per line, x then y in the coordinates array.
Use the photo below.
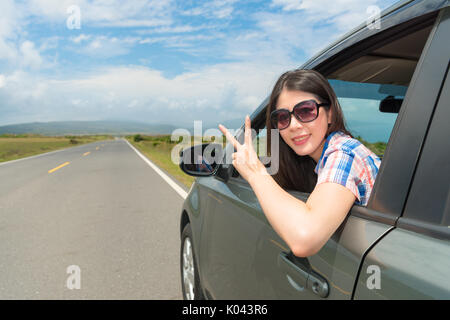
{"type": "Point", "coordinates": [304, 138]}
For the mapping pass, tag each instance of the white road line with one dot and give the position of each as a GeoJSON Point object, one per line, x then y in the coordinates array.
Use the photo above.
{"type": "Point", "coordinates": [166, 178]}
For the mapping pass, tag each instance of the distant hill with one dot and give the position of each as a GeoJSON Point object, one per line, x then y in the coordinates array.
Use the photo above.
{"type": "Point", "coordinates": [59, 128]}
{"type": "Point", "coordinates": [86, 127]}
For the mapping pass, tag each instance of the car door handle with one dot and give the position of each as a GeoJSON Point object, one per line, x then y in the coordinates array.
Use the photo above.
{"type": "Point", "coordinates": [296, 276]}
{"type": "Point", "coordinates": [299, 278]}
{"type": "Point", "coordinates": [318, 284]}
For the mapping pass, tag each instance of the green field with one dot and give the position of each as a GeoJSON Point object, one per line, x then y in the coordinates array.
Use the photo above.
{"type": "Point", "coordinates": [159, 149]}
{"type": "Point", "coordinates": [14, 147]}
{"type": "Point", "coordinates": [377, 147]}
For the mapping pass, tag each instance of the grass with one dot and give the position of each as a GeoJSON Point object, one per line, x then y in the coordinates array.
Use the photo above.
{"type": "Point", "coordinates": [159, 149]}
{"type": "Point", "coordinates": [377, 147]}
{"type": "Point", "coordinates": [14, 147]}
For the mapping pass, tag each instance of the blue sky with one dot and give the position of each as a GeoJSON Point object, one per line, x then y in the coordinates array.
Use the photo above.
{"type": "Point", "coordinates": [160, 61]}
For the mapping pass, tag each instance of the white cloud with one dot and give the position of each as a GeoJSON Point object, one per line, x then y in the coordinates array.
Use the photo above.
{"type": "Point", "coordinates": [16, 52]}
{"type": "Point", "coordinates": [175, 29]}
{"type": "Point", "coordinates": [49, 43]}
{"type": "Point", "coordinates": [213, 9]}
{"type": "Point", "coordinates": [181, 41]}
{"type": "Point", "coordinates": [212, 93]}
{"type": "Point", "coordinates": [9, 27]}
{"type": "Point", "coordinates": [345, 14]}
{"type": "Point", "coordinates": [288, 5]}
{"type": "Point", "coordinates": [82, 37]}
{"type": "Point", "coordinates": [103, 46]}
{"type": "Point", "coordinates": [106, 13]}
{"type": "Point", "coordinates": [134, 23]}
{"type": "Point", "coordinates": [30, 56]}
{"type": "Point", "coordinates": [2, 81]}
{"type": "Point", "coordinates": [10, 17]}
{"type": "Point", "coordinates": [309, 25]}
{"type": "Point", "coordinates": [8, 50]}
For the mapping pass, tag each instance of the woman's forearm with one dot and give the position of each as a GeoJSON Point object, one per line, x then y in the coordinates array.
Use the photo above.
{"type": "Point", "coordinates": [289, 217]}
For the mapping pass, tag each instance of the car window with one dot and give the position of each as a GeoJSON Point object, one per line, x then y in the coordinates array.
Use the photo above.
{"type": "Point", "coordinates": [371, 88]}
{"type": "Point", "coordinates": [360, 103]}
{"type": "Point", "coordinates": [260, 142]}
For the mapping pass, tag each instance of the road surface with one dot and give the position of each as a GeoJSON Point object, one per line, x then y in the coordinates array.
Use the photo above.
{"type": "Point", "coordinates": [94, 216]}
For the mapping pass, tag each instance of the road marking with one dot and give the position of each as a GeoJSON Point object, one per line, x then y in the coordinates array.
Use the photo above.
{"type": "Point", "coordinates": [59, 167]}
{"type": "Point", "coordinates": [166, 178]}
{"type": "Point", "coordinates": [36, 156]}
{"type": "Point", "coordinates": [86, 153]}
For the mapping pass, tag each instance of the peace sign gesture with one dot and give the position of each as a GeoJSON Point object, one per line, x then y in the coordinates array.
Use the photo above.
{"type": "Point", "coordinates": [245, 159]}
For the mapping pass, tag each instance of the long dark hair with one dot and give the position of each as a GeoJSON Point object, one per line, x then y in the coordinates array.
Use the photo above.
{"type": "Point", "coordinates": [297, 172]}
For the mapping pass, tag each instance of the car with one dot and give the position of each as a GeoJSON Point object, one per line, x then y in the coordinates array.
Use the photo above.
{"type": "Point", "coordinates": [393, 86]}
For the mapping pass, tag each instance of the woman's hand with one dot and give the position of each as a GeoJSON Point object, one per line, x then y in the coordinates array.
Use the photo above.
{"type": "Point", "coordinates": [245, 159]}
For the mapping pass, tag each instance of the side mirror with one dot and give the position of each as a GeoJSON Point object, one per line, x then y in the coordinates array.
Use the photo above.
{"type": "Point", "coordinates": [201, 160]}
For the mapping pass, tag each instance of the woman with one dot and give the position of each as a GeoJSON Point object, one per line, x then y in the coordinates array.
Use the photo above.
{"type": "Point", "coordinates": [313, 140]}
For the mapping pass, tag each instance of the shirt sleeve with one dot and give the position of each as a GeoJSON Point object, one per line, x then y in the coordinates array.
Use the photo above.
{"type": "Point", "coordinates": [342, 167]}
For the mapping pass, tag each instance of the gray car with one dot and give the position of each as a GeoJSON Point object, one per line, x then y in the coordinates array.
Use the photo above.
{"type": "Point", "coordinates": [392, 83]}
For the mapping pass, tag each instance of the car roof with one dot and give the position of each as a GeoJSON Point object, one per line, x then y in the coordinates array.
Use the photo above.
{"type": "Point", "coordinates": [400, 12]}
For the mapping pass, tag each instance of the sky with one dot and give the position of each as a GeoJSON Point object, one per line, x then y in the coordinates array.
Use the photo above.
{"type": "Point", "coordinates": [158, 61]}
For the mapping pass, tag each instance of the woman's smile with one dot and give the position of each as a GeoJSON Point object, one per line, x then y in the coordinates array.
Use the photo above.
{"type": "Point", "coordinates": [299, 140]}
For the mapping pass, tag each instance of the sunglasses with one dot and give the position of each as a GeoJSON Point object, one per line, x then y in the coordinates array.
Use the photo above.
{"type": "Point", "coordinates": [305, 111]}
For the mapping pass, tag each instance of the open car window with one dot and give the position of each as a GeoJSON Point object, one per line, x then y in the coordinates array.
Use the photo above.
{"type": "Point", "coordinates": [360, 103]}
{"type": "Point", "coordinates": [371, 88]}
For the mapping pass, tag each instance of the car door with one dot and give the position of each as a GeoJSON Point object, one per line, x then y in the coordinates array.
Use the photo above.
{"type": "Point", "coordinates": [413, 260]}
{"type": "Point", "coordinates": [243, 258]}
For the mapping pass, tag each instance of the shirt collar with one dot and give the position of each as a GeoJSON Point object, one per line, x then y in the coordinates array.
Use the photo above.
{"type": "Point", "coordinates": [327, 141]}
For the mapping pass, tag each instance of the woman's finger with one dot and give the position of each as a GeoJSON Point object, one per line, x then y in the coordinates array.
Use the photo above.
{"type": "Point", "coordinates": [248, 131]}
{"type": "Point", "coordinates": [230, 137]}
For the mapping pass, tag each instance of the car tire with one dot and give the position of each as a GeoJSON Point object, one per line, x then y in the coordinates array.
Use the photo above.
{"type": "Point", "coordinates": [190, 281]}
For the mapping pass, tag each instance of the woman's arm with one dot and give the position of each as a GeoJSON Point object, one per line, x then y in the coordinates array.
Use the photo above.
{"type": "Point", "coordinates": [305, 227]}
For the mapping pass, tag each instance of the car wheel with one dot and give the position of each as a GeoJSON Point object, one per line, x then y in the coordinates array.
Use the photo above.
{"type": "Point", "coordinates": [190, 281]}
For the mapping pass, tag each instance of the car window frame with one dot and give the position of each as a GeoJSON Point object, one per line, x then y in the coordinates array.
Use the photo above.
{"type": "Point", "coordinates": [404, 145]}
{"type": "Point", "coordinates": [415, 218]}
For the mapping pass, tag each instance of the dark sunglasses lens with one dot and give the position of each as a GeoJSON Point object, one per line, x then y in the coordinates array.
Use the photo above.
{"type": "Point", "coordinates": [281, 119]}
{"type": "Point", "coordinates": [306, 112]}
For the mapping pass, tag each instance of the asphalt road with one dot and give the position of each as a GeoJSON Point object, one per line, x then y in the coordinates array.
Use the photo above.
{"type": "Point", "coordinates": [106, 212]}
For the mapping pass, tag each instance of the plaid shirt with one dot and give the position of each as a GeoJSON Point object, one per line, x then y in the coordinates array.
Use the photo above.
{"type": "Point", "coordinates": [348, 162]}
